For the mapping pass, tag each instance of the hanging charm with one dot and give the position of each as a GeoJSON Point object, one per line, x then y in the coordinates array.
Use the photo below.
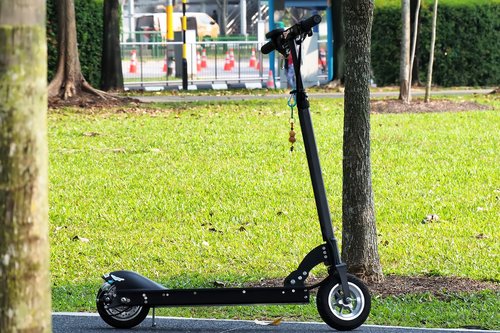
{"type": "Point", "coordinates": [292, 102]}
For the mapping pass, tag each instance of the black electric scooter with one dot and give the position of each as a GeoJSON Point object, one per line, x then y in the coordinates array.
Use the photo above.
{"type": "Point", "coordinates": [343, 301]}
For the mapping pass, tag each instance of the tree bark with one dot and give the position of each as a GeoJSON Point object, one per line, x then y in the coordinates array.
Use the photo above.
{"type": "Point", "coordinates": [431, 55]}
{"type": "Point", "coordinates": [404, 63]}
{"type": "Point", "coordinates": [25, 301]}
{"type": "Point", "coordinates": [359, 236]}
{"type": "Point", "coordinates": [111, 69]}
{"type": "Point", "coordinates": [69, 80]}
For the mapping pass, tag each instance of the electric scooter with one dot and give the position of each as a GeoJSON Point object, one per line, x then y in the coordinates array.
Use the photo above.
{"type": "Point", "coordinates": [343, 301]}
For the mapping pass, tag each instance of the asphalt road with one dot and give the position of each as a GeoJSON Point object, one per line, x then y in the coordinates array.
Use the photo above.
{"type": "Point", "coordinates": [92, 323]}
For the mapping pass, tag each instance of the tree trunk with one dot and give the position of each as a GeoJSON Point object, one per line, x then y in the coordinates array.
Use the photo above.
{"type": "Point", "coordinates": [111, 66]}
{"type": "Point", "coordinates": [25, 301]}
{"type": "Point", "coordinates": [68, 80]}
{"type": "Point", "coordinates": [431, 55]}
{"type": "Point", "coordinates": [223, 19]}
{"type": "Point", "coordinates": [413, 46]}
{"type": "Point", "coordinates": [415, 26]}
{"type": "Point", "coordinates": [359, 236]}
{"type": "Point", "coordinates": [404, 63]}
{"type": "Point", "coordinates": [339, 41]}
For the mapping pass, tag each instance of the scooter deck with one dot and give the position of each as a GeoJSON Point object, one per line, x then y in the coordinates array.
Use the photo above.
{"type": "Point", "coordinates": [213, 296]}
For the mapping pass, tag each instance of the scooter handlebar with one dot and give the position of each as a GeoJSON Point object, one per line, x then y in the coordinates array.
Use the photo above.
{"type": "Point", "coordinates": [278, 36]}
{"type": "Point", "coordinates": [268, 47]}
{"type": "Point", "coordinates": [309, 23]}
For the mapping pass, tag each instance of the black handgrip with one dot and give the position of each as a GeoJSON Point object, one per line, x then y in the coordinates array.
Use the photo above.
{"type": "Point", "coordinates": [268, 47]}
{"type": "Point", "coordinates": [307, 24]}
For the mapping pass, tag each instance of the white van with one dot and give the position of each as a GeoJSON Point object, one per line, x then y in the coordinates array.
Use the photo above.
{"type": "Point", "coordinates": [204, 25]}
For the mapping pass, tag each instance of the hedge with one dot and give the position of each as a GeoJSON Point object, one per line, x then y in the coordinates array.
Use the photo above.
{"type": "Point", "coordinates": [89, 28]}
{"type": "Point", "coordinates": [467, 43]}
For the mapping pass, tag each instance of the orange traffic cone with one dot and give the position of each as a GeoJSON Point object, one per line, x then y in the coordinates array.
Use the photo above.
{"type": "Point", "coordinates": [231, 57]}
{"type": "Point", "coordinates": [165, 66]}
{"type": "Point", "coordinates": [133, 62]}
{"type": "Point", "coordinates": [204, 58]}
{"type": "Point", "coordinates": [322, 59]}
{"type": "Point", "coordinates": [198, 61]}
{"type": "Point", "coordinates": [253, 59]}
{"type": "Point", "coordinates": [270, 80]}
{"type": "Point", "coordinates": [227, 65]}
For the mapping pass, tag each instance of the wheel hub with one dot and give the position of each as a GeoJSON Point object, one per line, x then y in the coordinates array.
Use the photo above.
{"type": "Point", "coordinates": [349, 309]}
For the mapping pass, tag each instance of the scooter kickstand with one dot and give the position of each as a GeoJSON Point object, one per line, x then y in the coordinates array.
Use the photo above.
{"type": "Point", "coordinates": [153, 324]}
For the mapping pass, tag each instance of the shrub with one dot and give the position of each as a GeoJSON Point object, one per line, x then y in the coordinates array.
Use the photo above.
{"type": "Point", "coordinates": [466, 50]}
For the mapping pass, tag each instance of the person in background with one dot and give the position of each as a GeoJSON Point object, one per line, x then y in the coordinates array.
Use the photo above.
{"type": "Point", "coordinates": [290, 73]}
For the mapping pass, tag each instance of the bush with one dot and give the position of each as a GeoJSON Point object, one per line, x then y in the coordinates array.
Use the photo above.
{"type": "Point", "coordinates": [466, 50]}
{"type": "Point", "coordinates": [89, 27]}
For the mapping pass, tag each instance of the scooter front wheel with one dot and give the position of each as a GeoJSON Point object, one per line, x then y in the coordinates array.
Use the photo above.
{"type": "Point", "coordinates": [338, 314]}
{"type": "Point", "coordinates": [121, 316]}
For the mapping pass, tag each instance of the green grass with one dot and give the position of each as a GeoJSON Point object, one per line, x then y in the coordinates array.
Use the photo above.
{"type": "Point", "coordinates": [166, 195]}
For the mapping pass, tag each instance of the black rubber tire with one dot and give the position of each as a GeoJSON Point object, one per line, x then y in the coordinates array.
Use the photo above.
{"type": "Point", "coordinates": [331, 314]}
{"type": "Point", "coordinates": [139, 314]}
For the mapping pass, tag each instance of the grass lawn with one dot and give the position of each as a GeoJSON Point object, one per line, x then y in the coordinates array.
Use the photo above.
{"type": "Point", "coordinates": [189, 194]}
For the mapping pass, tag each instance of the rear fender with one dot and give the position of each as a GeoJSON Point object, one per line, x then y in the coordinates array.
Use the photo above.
{"type": "Point", "coordinates": [130, 280]}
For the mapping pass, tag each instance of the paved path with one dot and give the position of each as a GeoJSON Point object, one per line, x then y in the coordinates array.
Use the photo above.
{"type": "Point", "coordinates": [92, 323]}
{"type": "Point", "coordinates": [195, 98]}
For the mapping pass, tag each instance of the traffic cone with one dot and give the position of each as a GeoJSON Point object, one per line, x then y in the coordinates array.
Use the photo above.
{"type": "Point", "coordinates": [253, 59]}
{"type": "Point", "coordinates": [322, 59]}
{"type": "Point", "coordinates": [270, 80]}
{"type": "Point", "coordinates": [227, 65]}
{"type": "Point", "coordinates": [165, 65]}
{"type": "Point", "coordinates": [204, 58]}
{"type": "Point", "coordinates": [231, 58]}
{"type": "Point", "coordinates": [198, 61]}
{"type": "Point", "coordinates": [133, 62]}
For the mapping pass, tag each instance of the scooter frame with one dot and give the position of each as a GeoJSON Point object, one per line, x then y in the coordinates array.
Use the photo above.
{"type": "Point", "coordinates": [127, 290]}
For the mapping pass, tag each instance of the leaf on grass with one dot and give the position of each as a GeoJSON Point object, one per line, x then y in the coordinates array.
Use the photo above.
{"type": "Point", "coordinates": [430, 219]}
{"type": "Point", "coordinates": [275, 322]}
{"type": "Point", "coordinates": [155, 150]}
{"type": "Point", "coordinates": [481, 236]}
{"type": "Point", "coordinates": [118, 150]}
{"type": "Point", "coordinates": [61, 227]}
{"type": "Point", "coordinates": [91, 134]}
{"type": "Point", "coordinates": [215, 230]}
{"type": "Point", "coordinates": [219, 284]}
{"type": "Point", "coordinates": [242, 228]}
{"type": "Point", "coordinates": [81, 239]}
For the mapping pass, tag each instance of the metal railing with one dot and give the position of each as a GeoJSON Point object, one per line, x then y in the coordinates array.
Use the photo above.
{"type": "Point", "coordinates": [155, 63]}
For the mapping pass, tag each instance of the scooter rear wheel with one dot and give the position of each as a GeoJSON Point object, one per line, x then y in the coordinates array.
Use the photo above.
{"type": "Point", "coordinates": [333, 310]}
{"type": "Point", "coordinates": [121, 316]}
